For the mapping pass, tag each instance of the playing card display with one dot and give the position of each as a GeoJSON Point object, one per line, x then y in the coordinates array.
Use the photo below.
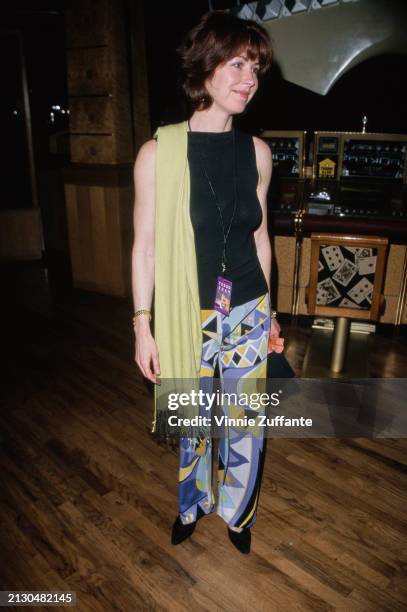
{"type": "Point", "coordinates": [345, 303]}
{"type": "Point", "coordinates": [345, 273]}
{"type": "Point", "coordinates": [359, 292]}
{"type": "Point", "coordinates": [366, 265]}
{"type": "Point", "coordinates": [364, 252]}
{"type": "Point", "coordinates": [346, 276]}
{"type": "Point", "coordinates": [327, 292]}
{"type": "Point", "coordinates": [333, 256]}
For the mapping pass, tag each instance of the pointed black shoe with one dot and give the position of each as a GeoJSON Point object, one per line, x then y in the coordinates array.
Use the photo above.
{"type": "Point", "coordinates": [241, 539]}
{"type": "Point", "coordinates": [181, 532]}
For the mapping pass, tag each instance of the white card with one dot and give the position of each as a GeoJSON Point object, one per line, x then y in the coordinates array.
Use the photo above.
{"type": "Point", "coordinates": [360, 290]}
{"type": "Point", "coordinates": [367, 265]}
{"type": "Point", "coordinates": [321, 296]}
{"type": "Point", "coordinates": [365, 252]}
{"type": "Point", "coordinates": [327, 292]}
{"type": "Point", "coordinates": [345, 303]}
{"type": "Point", "coordinates": [345, 272]}
{"type": "Point", "coordinates": [333, 256]}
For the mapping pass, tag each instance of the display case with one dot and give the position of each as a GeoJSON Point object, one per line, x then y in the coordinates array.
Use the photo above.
{"type": "Point", "coordinates": [288, 153]}
{"type": "Point", "coordinates": [358, 174]}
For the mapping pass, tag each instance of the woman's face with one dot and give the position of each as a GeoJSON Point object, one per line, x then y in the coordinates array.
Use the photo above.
{"type": "Point", "coordinates": [233, 84]}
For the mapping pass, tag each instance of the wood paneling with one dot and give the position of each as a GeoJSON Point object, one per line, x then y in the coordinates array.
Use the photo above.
{"type": "Point", "coordinates": [393, 281]}
{"type": "Point", "coordinates": [104, 175]}
{"type": "Point", "coordinates": [21, 234]}
{"type": "Point", "coordinates": [100, 244]}
{"type": "Point", "coordinates": [285, 248]}
{"type": "Point", "coordinates": [92, 149]}
{"type": "Point", "coordinates": [98, 84]}
{"type": "Point", "coordinates": [87, 23]}
{"type": "Point", "coordinates": [90, 72]}
{"type": "Point", "coordinates": [284, 252]}
{"type": "Point", "coordinates": [91, 115]}
{"type": "Point", "coordinates": [284, 298]}
{"type": "Point", "coordinates": [99, 201]}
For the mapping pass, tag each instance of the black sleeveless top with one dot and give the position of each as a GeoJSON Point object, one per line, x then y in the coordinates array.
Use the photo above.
{"type": "Point", "coordinates": [214, 152]}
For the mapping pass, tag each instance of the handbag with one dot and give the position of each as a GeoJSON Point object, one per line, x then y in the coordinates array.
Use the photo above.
{"type": "Point", "coordinates": [279, 371]}
{"type": "Point", "coordinates": [278, 366]}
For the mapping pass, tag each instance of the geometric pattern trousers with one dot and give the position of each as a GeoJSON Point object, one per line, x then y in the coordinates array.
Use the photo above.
{"type": "Point", "coordinates": [237, 344]}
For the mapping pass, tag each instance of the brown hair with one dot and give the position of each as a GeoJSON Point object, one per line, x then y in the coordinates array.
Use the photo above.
{"type": "Point", "coordinates": [217, 37]}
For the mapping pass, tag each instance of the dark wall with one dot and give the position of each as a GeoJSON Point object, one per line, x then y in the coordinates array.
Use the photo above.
{"type": "Point", "coordinates": [374, 88]}
{"type": "Point", "coordinates": [165, 25]}
{"type": "Point", "coordinates": [40, 26]}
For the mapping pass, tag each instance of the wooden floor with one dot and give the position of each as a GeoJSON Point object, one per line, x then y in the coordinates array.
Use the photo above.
{"type": "Point", "coordinates": [88, 497]}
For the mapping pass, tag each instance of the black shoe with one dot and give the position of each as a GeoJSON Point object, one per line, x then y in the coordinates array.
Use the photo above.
{"type": "Point", "coordinates": [241, 539]}
{"type": "Point", "coordinates": [181, 532]}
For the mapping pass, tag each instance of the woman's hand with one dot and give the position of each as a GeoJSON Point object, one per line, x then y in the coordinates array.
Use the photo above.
{"type": "Point", "coordinates": [146, 352]}
{"type": "Point", "coordinates": [275, 328]}
{"type": "Point", "coordinates": [276, 344]}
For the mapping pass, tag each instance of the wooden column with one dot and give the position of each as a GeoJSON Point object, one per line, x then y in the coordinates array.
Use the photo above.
{"type": "Point", "coordinates": [103, 129]}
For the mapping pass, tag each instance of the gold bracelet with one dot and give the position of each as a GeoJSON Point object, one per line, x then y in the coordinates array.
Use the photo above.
{"type": "Point", "coordinates": [273, 314]}
{"type": "Point", "coordinates": [142, 311]}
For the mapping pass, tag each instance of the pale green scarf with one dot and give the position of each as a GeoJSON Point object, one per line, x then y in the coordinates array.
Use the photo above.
{"type": "Point", "coordinates": [177, 309]}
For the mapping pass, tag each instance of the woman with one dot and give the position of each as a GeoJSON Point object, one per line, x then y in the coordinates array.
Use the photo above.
{"type": "Point", "coordinates": [201, 244]}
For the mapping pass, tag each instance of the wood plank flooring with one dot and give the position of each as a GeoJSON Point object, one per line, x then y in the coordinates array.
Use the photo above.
{"type": "Point", "coordinates": [88, 497]}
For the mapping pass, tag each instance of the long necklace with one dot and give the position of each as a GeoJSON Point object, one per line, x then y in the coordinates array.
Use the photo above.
{"type": "Point", "coordinates": [226, 233]}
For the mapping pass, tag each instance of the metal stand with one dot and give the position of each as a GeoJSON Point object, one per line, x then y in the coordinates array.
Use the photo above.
{"type": "Point", "coordinates": [337, 352]}
{"type": "Point", "coordinates": [339, 344]}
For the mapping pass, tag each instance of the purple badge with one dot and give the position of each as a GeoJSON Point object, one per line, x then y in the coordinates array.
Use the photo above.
{"type": "Point", "coordinates": [223, 295]}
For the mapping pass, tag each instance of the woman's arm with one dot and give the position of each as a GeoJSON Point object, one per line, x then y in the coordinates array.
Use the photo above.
{"type": "Point", "coordinates": [261, 235]}
{"type": "Point", "coordinates": [146, 354]}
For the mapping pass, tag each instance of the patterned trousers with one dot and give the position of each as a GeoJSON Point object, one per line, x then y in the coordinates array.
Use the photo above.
{"type": "Point", "coordinates": [238, 344]}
